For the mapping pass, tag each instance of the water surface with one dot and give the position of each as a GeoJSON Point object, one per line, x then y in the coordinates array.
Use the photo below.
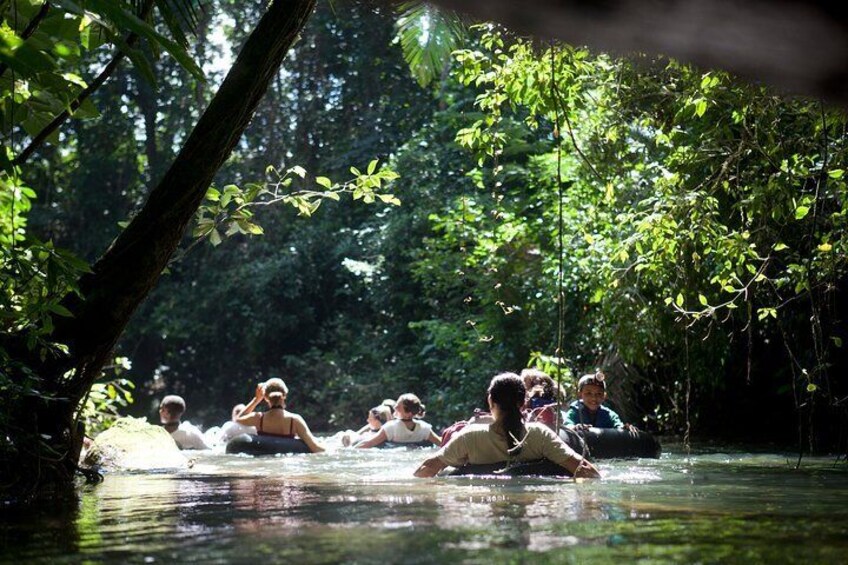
{"type": "Point", "coordinates": [364, 506]}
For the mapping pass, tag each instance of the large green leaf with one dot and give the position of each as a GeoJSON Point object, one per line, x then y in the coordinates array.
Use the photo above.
{"type": "Point", "coordinates": [427, 37]}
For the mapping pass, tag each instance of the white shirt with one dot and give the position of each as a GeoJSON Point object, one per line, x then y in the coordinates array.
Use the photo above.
{"type": "Point", "coordinates": [232, 429]}
{"type": "Point", "coordinates": [189, 436]}
{"type": "Point", "coordinates": [397, 431]}
{"type": "Point", "coordinates": [486, 443]}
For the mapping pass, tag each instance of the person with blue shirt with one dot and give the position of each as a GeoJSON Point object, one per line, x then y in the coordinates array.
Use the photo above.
{"type": "Point", "coordinates": [588, 411]}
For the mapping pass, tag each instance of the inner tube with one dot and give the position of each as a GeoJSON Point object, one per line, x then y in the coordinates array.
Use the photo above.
{"type": "Point", "coordinates": [612, 443]}
{"type": "Point", "coordinates": [409, 445]}
{"type": "Point", "coordinates": [266, 445]}
{"type": "Point", "coordinates": [540, 468]}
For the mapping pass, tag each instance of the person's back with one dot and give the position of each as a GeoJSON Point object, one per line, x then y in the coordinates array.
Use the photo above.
{"type": "Point", "coordinates": [480, 444]}
{"type": "Point", "coordinates": [507, 438]}
{"type": "Point", "coordinates": [407, 427]}
{"type": "Point", "coordinates": [277, 421]}
{"type": "Point", "coordinates": [186, 435]}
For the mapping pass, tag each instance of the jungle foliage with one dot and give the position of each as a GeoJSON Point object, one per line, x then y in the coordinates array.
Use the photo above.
{"type": "Point", "coordinates": [674, 226]}
{"type": "Point", "coordinates": [702, 255]}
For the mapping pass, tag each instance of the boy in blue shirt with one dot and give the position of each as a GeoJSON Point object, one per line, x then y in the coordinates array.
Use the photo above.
{"type": "Point", "coordinates": [588, 411]}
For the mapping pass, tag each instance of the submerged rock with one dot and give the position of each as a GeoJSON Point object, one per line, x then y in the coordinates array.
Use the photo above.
{"type": "Point", "coordinates": [134, 445]}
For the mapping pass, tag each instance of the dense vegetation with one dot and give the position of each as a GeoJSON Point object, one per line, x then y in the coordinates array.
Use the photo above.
{"type": "Point", "coordinates": [673, 226]}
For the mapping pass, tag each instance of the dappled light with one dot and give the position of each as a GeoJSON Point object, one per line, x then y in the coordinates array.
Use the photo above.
{"type": "Point", "coordinates": [374, 283]}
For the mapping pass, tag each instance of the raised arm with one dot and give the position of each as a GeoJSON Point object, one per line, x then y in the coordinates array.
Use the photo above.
{"type": "Point", "coordinates": [378, 439]}
{"type": "Point", "coordinates": [247, 416]}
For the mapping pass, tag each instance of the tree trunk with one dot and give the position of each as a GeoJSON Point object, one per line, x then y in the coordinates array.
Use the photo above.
{"type": "Point", "coordinates": [129, 269]}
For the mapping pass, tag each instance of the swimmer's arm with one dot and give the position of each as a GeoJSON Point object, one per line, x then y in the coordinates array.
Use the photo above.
{"type": "Point", "coordinates": [560, 453]}
{"type": "Point", "coordinates": [363, 429]}
{"type": "Point", "coordinates": [249, 419]}
{"type": "Point", "coordinates": [254, 402]}
{"type": "Point", "coordinates": [378, 439]}
{"type": "Point", "coordinates": [303, 432]}
{"type": "Point", "coordinates": [430, 467]}
{"type": "Point", "coordinates": [434, 438]}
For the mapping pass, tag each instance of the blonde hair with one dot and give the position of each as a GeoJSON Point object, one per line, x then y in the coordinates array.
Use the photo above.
{"type": "Point", "coordinates": [275, 391]}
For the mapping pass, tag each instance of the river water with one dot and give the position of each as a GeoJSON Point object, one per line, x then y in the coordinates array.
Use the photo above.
{"type": "Point", "coordinates": [364, 506]}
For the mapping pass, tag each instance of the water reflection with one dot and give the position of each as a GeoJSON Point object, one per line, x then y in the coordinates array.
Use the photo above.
{"type": "Point", "coordinates": [366, 508]}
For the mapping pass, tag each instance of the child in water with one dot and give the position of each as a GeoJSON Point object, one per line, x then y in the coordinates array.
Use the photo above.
{"type": "Point", "coordinates": [588, 411]}
{"type": "Point", "coordinates": [375, 420]}
{"type": "Point", "coordinates": [406, 427]}
{"type": "Point", "coordinates": [232, 428]}
{"type": "Point", "coordinates": [542, 392]}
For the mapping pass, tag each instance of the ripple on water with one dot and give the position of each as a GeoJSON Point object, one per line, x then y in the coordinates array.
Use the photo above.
{"type": "Point", "coordinates": [365, 507]}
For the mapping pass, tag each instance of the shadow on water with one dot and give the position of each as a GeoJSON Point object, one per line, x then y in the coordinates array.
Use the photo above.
{"type": "Point", "coordinates": [365, 507]}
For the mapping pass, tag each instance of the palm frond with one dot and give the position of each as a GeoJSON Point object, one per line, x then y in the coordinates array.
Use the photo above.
{"type": "Point", "coordinates": [182, 17]}
{"type": "Point", "coordinates": [427, 36]}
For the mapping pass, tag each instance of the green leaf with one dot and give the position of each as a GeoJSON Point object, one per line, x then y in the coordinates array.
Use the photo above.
{"type": "Point", "coordinates": [60, 310]}
{"type": "Point", "coordinates": [129, 21]}
{"type": "Point", "coordinates": [812, 387]}
{"type": "Point", "coordinates": [801, 212]}
{"type": "Point", "coordinates": [679, 300]}
{"type": "Point", "coordinates": [836, 173]}
{"type": "Point", "coordinates": [298, 170]}
{"type": "Point", "coordinates": [703, 300]}
{"type": "Point", "coordinates": [253, 229]}
{"type": "Point", "coordinates": [389, 199]}
{"type": "Point", "coordinates": [324, 181]}
{"type": "Point", "coordinates": [215, 238]}
{"type": "Point", "coordinates": [372, 166]}
{"type": "Point", "coordinates": [213, 194]}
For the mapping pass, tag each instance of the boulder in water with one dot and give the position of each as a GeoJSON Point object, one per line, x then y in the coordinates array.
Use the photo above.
{"type": "Point", "coordinates": [132, 444]}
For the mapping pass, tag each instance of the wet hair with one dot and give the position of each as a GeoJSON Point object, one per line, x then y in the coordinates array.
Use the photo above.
{"type": "Point", "coordinates": [411, 404]}
{"type": "Point", "coordinates": [532, 377]}
{"type": "Point", "coordinates": [382, 413]}
{"type": "Point", "coordinates": [535, 378]}
{"type": "Point", "coordinates": [508, 392]}
{"type": "Point", "coordinates": [597, 378]}
{"type": "Point", "coordinates": [390, 404]}
{"type": "Point", "coordinates": [237, 410]}
{"type": "Point", "coordinates": [174, 405]}
{"type": "Point", "coordinates": [276, 391]}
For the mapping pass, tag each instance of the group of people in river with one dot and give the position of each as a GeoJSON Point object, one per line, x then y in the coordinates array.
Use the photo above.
{"type": "Point", "coordinates": [519, 425]}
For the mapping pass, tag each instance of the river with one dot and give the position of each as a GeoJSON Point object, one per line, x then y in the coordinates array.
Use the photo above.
{"type": "Point", "coordinates": [364, 506]}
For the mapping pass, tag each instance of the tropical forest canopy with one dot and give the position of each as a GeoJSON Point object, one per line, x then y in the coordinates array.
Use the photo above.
{"type": "Point", "coordinates": [417, 205]}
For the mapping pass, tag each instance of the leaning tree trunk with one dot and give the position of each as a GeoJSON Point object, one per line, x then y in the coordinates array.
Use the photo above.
{"type": "Point", "coordinates": [129, 269]}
